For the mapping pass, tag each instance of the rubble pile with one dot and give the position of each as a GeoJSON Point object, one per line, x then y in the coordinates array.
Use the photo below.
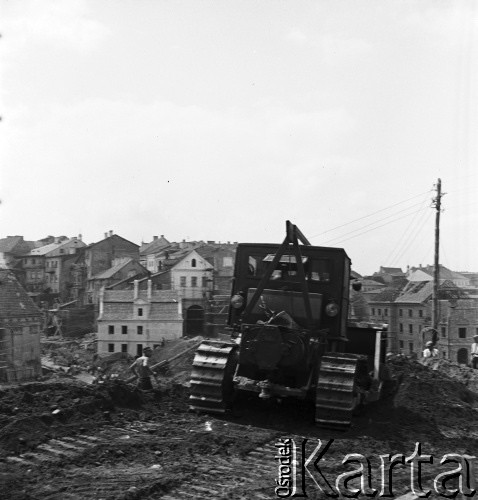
{"type": "Point", "coordinates": [428, 403]}
{"type": "Point", "coordinates": [463, 373]}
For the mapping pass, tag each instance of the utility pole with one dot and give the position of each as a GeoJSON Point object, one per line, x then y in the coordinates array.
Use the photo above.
{"type": "Point", "coordinates": [436, 277]}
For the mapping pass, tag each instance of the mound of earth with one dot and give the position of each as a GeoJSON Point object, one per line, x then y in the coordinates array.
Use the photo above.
{"type": "Point", "coordinates": [428, 404]}
{"type": "Point", "coordinates": [33, 413]}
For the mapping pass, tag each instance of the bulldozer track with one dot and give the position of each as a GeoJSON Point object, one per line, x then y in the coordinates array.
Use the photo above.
{"type": "Point", "coordinates": [210, 384]}
{"type": "Point", "coordinates": [215, 477]}
{"type": "Point", "coordinates": [335, 394]}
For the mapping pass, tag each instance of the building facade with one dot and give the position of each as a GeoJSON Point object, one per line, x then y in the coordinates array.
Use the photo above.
{"type": "Point", "coordinates": [20, 324]}
{"type": "Point", "coordinates": [130, 320]}
{"type": "Point", "coordinates": [101, 256]}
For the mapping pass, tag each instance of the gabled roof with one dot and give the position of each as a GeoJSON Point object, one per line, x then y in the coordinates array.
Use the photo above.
{"type": "Point", "coordinates": [154, 246]}
{"type": "Point", "coordinates": [14, 300]}
{"type": "Point", "coordinates": [116, 236]}
{"type": "Point", "coordinates": [445, 273]}
{"type": "Point", "coordinates": [109, 273]}
{"type": "Point", "coordinates": [46, 249]}
{"type": "Point", "coordinates": [390, 270]}
{"type": "Point", "coordinates": [420, 292]}
{"type": "Point", "coordinates": [9, 243]}
{"type": "Point", "coordinates": [388, 294]}
{"type": "Point", "coordinates": [187, 254]}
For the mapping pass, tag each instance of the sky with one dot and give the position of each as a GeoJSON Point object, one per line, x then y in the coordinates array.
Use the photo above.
{"type": "Point", "coordinates": [220, 120]}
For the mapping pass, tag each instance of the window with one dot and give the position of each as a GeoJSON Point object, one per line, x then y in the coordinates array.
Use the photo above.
{"type": "Point", "coordinates": [410, 346]}
{"type": "Point", "coordinates": [400, 312]}
{"type": "Point", "coordinates": [139, 330]}
{"type": "Point", "coordinates": [401, 344]}
{"type": "Point", "coordinates": [33, 261]}
{"type": "Point", "coordinates": [420, 313]}
{"type": "Point", "coordinates": [140, 311]}
{"type": "Point", "coordinates": [139, 349]}
{"type": "Point", "coordinates": [373, 311]}
{"type": "Point", "coordinates": [410, 313]}
{"type": "Point", "coordinates": [124, 329]}
{"type": "Point", "coordinates": [379, 312]}
{"type": "Point", "coordinates": [61, 250]}
{"type": "Point", "coordinates": [462, 333]}
{"type": "Point", "coordinates": [443, 331]}
{"type": "Point", "coordinates": [410, 328]}
{"type": "Point", "coordinates": [401, 327]}
{"type": "Point", "coordinates": [193, 263]}
{"type": "Point", "coordinates": [182, 281]}
{"type": "Point", "coordinates": [111, 329]}
{"type": "Point", "coordinates": [111, 348]}
{"type": "Point", "coordinates": [444, 354]}
{"type": "Point", "coordinates": [124, 347]}
{"type": "Point", "coordinates": [386, 312]}
{"type": "Point", "coordinates": [204, 282]}
{"type": "Point", "coordinates": [194, 281]}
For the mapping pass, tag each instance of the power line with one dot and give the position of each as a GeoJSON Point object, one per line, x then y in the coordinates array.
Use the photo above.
{"type": "Point", "coordinates": [403, 240]}
{"type": "Point", "coordinates": [370, 215]}
{"type": "Point", "coordinates": [373, 228]}
{"type": "Point", "coordinates": [340, 238]}
{"type": "Point", "coordinates": [412, 236]}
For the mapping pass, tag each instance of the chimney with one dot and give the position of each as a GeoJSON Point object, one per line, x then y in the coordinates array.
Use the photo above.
{"type": "Point", "coordinates": [135, 295]}
{"type": "Point", "coordinates": [80, 237]}
{"type": "Point", "coordinates": [111, 232]}
{"type": "Point", "coordinates": [155, 238]}
{"type": "Point", "coordinates": [162, 236]}
{"type": "Point", "coordinates": [106, 235]}
{"type": "Point", "coordinates": [150, 288]}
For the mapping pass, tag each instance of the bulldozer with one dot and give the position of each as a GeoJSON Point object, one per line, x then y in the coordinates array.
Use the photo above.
{"type": "Point", "coordinates": [290, 336]}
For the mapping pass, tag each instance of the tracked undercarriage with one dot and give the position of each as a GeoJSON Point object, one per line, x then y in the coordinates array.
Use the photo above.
{"type": "Point", "coordinates": [290, 336]}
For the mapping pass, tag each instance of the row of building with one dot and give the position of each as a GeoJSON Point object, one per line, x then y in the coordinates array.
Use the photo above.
{"type": "Point", "coordinates": [192, 278]}
{"type": "Point", "coordinates": [404, 301]}
{"type": "Point", "coordinates": [161, 290]}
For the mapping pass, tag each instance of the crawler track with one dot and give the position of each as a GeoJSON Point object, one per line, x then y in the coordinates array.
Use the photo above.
{"type": "Point", "coordinates": [335, 394]}
{"type": "Point", "coordinates": [212, 477]}
{"type": "Point", "coordinates": [211, 377]}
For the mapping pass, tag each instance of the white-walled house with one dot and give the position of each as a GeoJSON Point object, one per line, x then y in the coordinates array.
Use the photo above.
{"type": "Point", "coordinates": [192, 276]}
{"type": "Point", "coordinates": [130, 320]}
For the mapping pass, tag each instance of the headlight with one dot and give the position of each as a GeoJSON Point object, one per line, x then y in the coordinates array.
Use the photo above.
{"type": "Point", "coordinates": [332, 309]}
{"type": "Point", "coordinates": [237, 301]}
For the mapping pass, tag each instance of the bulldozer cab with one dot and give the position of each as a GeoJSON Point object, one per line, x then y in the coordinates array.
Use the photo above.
{"type": "Point", "coordinates": [309, 283]}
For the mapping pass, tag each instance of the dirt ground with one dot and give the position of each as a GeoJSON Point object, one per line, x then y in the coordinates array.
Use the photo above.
{"type": "Point", "coordinates": [63, 439]}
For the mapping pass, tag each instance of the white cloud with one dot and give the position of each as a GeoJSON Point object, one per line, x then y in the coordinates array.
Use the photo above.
{"type": "Point", "coordinates": [452, 22]}
{"type": "Point", "coordinates": [332, 47]}
{"type": "Point", "coordinates": [68, 23]}
{"type": "Point", "coordinates": [296, 36]}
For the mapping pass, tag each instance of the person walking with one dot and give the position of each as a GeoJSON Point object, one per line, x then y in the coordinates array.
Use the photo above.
{"type": "Point", "coordinates": [142, 370]}
{"type": "Point", "coordinates": [430, 351]}
{"type": "Point", "coordinates": [474, 353]}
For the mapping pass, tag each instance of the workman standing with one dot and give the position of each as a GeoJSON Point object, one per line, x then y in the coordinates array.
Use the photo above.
{"type": "Point", "coordinates": [430, 351]}
{"type": "Point", "coordinates": [142, 370]}
{"type": "Point", "coordinates": [474, 353]}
